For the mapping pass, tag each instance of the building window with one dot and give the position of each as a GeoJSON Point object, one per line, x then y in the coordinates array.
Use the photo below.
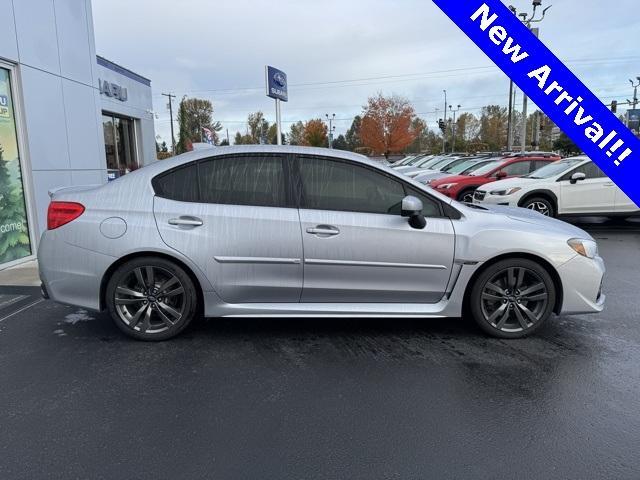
{"type": "Point", "coordinates": [14, 231]}
{"type": "Point", "coordinates": [120, 145]}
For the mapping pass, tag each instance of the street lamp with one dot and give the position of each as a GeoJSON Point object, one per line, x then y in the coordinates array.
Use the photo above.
{"type": "Point", "coordinates": [444, 133]}
{"type": "Point", "coordinates": [453, 127]}
{"type": "Point", "coordinates": [527, 20]}
{"type": "Point", "coordinates": [635, 92]}
{"type": "Point", "coordinates": [332, 128]}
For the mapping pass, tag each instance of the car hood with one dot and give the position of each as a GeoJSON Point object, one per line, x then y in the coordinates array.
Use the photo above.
{"type": "Point", "coordinates": [507, 183]}
{"type": "Point", "coordinates": [456, 179]}
{"type": "Point", "coordinates": [534, 218]}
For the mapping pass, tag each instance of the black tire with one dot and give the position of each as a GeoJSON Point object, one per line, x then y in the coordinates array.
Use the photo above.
{"type": "Point", "coordinates": [542, 205]}
{"type": "Point", "coordinates": [466, 193]}
{"type": "Point", "coordinates": [492, 300]}
{"type": "Point", "coordinates": [151, 305]}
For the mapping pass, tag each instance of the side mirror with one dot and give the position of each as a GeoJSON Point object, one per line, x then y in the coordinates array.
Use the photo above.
{"type": "Point", "coordinates": [577, 177]}
{"type": "Point", "coordinates": [501, 175]}
{"type": "Point", "coordinates": [412, 209]}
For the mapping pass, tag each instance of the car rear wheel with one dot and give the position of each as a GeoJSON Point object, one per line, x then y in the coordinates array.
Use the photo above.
{"type": "Point", "coordinates": [466, 196]}
{"type": "Point", "coordinates": [512, 298]}
{"type": "Point", "coordinates": [151, 299]}
{"type": "Point", "coordinates": [540, 205]}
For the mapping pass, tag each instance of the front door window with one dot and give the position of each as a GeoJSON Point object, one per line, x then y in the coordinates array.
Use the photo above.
{"type": "Point", "coordinates": [14, 231]}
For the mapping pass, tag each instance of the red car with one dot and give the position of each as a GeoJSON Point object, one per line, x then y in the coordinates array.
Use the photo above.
{"type": "Point", "coordinates": [461, 187]}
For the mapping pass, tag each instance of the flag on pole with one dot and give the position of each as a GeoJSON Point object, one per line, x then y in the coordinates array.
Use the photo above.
{"type": "Point", "coordinates": [208, 135]}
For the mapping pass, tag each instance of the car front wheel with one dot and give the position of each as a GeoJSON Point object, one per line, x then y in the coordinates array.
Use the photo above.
{"type": "Point", "coordinates": [512, 298]}
{"type": "Point", "coordinates": [151, 299]}
{"type": "Point", "coordinates": [540, 205]}
{"type": "Point", "coordinates": [466, 196]}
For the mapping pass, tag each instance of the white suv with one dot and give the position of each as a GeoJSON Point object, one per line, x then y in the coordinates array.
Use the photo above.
{"type": "Point", "coordinates": [573, 186]}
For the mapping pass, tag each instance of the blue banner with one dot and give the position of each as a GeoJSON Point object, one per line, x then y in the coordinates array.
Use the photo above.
{"type": "Point", "coordinates": [552, 87]}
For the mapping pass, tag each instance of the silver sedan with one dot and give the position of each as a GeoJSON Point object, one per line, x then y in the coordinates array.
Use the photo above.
{"type": "Point", "coordinates": [289, 231]}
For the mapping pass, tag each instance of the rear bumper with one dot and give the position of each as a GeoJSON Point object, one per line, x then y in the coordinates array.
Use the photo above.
{"type": "Point", "coordinates": [70, 274]}
{"type": "Point", "coordinates": [582, 280]}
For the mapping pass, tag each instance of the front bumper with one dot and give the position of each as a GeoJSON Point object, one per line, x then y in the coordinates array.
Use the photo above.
{"type": "Point", "coordinates": [582, 280]}
{"type": "Point", "coordinates": [481, 197]}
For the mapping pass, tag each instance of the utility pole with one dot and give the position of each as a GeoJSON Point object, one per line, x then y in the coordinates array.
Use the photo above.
{"type": "Point", "coordinates": [453, 127]}
{"type": "Point", "coordinates": [228, 143]}
{"type": "Point", "coordinates": [332, 128]}
{"type": "Point", "coordinates": [528, 20]}
{"type": "Point", "coordinates": [444, 132]}
{"type": "Point", "coordinates": [510, 118]}
{"type": "Point", "coordinates": [170, 105]}
{"type": "Point", "coordinates": [635, 92]}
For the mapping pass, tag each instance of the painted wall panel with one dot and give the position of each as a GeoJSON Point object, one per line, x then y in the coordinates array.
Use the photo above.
{"type": "Point", "coordinates": [8, 41]}
{"type": "Point", "coordinates": [37, 36]}
{"type": "Point", "coordinates": [82, 127]}
{"type": "Point", "coordinates": [76, 56]}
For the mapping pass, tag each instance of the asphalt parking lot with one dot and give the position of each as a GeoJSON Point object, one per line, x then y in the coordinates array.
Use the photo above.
{"type": "Point", "coordinates": [343, 398]}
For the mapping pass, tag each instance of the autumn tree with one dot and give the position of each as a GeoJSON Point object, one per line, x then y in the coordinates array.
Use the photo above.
{"type": "Point", "coordinates": [387, 124]}
{"type": "Point", "coordinates": [493, 127]}
{"type": "Point", "coordinates": [315, 133]}
{"type": "Point", "coordinates": [194, 114]}
{"type": "Point", "coordinates": [258, 127]}
{"type": "Point", "coordinates": [421, 130]}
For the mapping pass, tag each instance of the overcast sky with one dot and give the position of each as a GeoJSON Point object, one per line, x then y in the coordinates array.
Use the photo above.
{"type": "Point", "coordinates": [337, 53]}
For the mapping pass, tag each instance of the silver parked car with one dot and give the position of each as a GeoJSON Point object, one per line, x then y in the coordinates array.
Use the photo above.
{"type": "Point", "coordinates": [284, 231]}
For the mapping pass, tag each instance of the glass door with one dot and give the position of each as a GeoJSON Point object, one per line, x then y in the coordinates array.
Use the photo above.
{"type": "Point", "coordinates": [15, 241]}
{"type": "Point", "coordinates": [120, 145]}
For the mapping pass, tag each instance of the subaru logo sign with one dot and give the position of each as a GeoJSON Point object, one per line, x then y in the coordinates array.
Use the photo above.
{"type": "Point", "coordinates": [4, 101]}
{"type": "Point", "coordinates": [277, 84]}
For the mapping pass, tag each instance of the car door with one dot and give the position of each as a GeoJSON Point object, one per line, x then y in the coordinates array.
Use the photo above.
{"type": "Point", "coordinates": [234, 217]}
{"type": "Point", "coordinates": [515, 169]}
{"type": "Point", "coordinates": [595, 194]}
{"type": "Point", "coordinates": [623, 203]}
{"type": "Point", "coordinates": [357, 246]}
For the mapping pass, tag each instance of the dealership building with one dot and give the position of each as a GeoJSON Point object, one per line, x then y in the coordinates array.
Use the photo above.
{"type": "Point", "coordinates": [67, 116]}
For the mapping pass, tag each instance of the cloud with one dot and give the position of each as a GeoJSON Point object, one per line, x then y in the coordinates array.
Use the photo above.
{"type": "Point", "coordinates": [218, 50]}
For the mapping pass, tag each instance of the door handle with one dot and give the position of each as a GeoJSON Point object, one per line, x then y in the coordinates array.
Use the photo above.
{"type": "Point", "coordinates": [609, 184]}
{"type": "Point", "coordinates": [186, 221]}
{"type": "Point", "coordinates": [324, 231]}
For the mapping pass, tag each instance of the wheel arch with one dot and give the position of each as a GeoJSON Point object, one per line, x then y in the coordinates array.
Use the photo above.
{"type": "Point", "coordinates": [548, 194]}
{"type": "Point", "coordinates": [135, 255]}
{"type": "Point", "coordinates": [557, 282]}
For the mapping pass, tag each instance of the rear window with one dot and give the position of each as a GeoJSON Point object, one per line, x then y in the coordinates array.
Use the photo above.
{"type": "Point", "coordinates": [180, 184]}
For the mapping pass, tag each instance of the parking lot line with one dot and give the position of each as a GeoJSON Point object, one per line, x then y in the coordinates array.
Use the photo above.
{"type": "Point", "coordinates": [40, 300]}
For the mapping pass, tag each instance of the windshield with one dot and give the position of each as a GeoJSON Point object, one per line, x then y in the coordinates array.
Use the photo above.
{"type": "Point", "coordinates": [455, 164]}
{"type": "Point", "coordinates": [487, 168]}
{"type": "Point", "coordinates": [415, 160]}
{"type": "Point", "coordinates": [442, 161]}
{"type": "Point", "coordinates": [424, 160]}
{"type": "Point", "coordinates": [431, 162]}
{"type": "Point", "coordinates": [404, 161]}
{"type": "Point", "coordinates": [475, 166]}
{"type": "Point", "coordinates": [462, 166]}
{"type": "Point", "coordinates": [555, 168]}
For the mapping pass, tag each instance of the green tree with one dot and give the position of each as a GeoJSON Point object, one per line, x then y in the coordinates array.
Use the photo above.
{"type": "Point", "coordinates": [296, 134]}
{"type": "Point", "coordinates": [566, 146]}
{"type": "Point", "coordinates": [493, 127]}
{"type": "Point", "coordinates": [353, 134]}
{"type": "Point", "coordinates": [340, 143]}
{"type": "Point", "coordinates": [258, 127]}
{"type": "Point", "coordinates": [14, 242]}
{"type": "Point", "coordinates": [194, 114]}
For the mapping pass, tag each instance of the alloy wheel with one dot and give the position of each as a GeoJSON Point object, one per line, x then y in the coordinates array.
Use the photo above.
{"type": "Point", "coordinates": [540, 207]}
{"type": "Point", "coordinates": [150, 299]}
{"type": "Point", "coordinates": [467, 197]}
{"type": "Point", "coordinates": [514, 300]}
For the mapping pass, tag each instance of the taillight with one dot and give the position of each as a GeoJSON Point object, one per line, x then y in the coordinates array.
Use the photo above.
{"type": "Point", "coordinates": [61, 213]}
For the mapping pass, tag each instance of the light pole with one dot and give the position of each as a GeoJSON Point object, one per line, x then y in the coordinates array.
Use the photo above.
{"type": "Point", "coordinates": [528, 20]}
{"type": "Point", "coordinates": [444, 133]}
{"type": "Point", "coordinates": [332, 128]}
{"type": "Point", "coordinates": [453, 127]}
{"type": "Point", "coordinates": [635, 92]}
{"type": "Point", "coordinates": [170, 107]}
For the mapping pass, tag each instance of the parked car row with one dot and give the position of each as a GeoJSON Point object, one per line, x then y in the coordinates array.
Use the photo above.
{"type": "Point", "coordinates": [539, 181]}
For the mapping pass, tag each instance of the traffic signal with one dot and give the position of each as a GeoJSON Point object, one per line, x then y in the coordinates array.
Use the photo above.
{"type": "Point", "coordinates": [614, 106]}
{"type": "Point", "coordinates": [441, 125]}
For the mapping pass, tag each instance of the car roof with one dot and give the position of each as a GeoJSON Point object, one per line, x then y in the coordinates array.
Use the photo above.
{"type": "Point", "coordinates": [172, 162]}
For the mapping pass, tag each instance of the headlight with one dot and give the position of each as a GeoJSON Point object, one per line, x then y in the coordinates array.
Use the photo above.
{"type": "Point", "coordinates": [447, 186]}
{"type": "Point", "coordinates": [508, 191]}
{"type": "Point", "coordinates": [586, 248]}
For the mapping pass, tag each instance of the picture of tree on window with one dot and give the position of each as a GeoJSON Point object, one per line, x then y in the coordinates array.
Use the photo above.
{"type": "Point", "coordinates": [14, 231]}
